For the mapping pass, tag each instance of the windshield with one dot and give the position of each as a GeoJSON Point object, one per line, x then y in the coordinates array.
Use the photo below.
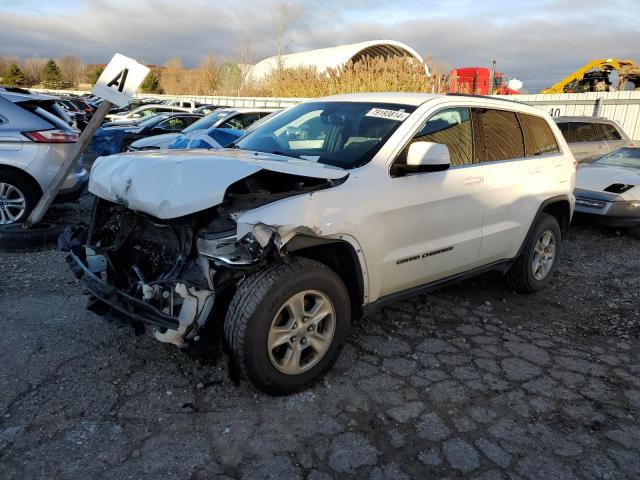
{"type": "Point", "coordinates": [207, 121]}
{"type": "Point", "coordinates": [623, 157]}
{"type": "Point", "coordinates": [343, 134]}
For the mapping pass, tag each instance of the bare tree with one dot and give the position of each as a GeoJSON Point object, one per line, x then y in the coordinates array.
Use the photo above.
{"type": "Point", "coordinates": [71, 70]}
{"type": "Point", "coordinates": [172, 76]}
{"type": "Point", "coordinates": [281, 18]}
{"type": "Point", "coordinates": [33, 68]}
{"type": "Point", "coordinates": [244, 59]}
{"type": "Point", "coordinates": [206, 75]}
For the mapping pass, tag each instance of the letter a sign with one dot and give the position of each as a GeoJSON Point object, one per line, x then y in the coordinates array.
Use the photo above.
{"type": "Point", "coordinates": [120, 80]}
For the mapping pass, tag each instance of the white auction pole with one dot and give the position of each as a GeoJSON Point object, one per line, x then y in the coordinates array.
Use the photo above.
{"type": "Point", "coordinates": [116, 85]}
{"type": "Point", "coordinates": [68, 164]}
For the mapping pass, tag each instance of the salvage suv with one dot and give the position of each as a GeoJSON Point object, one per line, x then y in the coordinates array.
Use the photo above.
{"type": "Point", "coordinates": [330, 210]}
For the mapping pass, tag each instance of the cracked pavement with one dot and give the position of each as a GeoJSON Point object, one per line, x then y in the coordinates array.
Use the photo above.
{"type": "Point", "coordinates": [472, 381]}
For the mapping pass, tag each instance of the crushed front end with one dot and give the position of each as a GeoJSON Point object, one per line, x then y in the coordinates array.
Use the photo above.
{"type": "Point", "coordinates": [150, 272]}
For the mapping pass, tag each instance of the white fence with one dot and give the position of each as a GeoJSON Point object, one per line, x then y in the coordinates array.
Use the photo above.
{"type": "Point", "coordinates": [624, 107]}
{"type": "Point", "coordinates": [621, 106]}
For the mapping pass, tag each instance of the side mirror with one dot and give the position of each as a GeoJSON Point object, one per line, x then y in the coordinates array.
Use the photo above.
{"type": "Point", "coordinates": [427, 157]}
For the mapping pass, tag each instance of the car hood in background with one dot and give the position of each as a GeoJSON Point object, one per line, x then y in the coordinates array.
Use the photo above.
{"type": "Point", "coordinates": [598, 177]}
{"type": "Point", "coordinates": [170, 184]}
{"type": "Point", "coordinates": [157, 141]}
{"type": "Point", "coordinates": [108, 141]}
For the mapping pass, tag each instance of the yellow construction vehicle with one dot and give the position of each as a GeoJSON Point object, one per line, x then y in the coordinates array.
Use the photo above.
{"type": "Point", "coordinates": [595, 77]}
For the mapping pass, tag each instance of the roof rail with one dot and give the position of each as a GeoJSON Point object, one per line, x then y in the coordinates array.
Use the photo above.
{"type": "Point", "coordinates": [490, 97]}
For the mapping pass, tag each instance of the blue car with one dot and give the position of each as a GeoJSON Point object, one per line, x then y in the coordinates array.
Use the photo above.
{"type": "Point", "coordinates": [114, 139]}
{"type": "Point", "coordinates": [223, 131]}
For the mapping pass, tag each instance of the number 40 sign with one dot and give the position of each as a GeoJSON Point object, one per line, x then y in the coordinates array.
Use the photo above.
{"type": "Point", "coordinates": [120, 80]}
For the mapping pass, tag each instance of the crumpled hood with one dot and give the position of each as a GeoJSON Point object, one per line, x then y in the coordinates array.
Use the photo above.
{"type": "Point", "coordinates": [171, 184]}
{"type": "Point", "coordinates": [598, 177]}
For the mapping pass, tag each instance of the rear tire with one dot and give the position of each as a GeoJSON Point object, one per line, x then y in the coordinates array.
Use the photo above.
{"type": "Point", "coordinates": [17, 198]}
{"type": "Point", "coordinates": [534, 268]}
{"type": "Point", "coordinates": [287, 324]}
{"type": "Point", "coordinates": [14, 237]}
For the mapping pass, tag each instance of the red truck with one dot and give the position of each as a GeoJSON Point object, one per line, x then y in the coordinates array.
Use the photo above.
{"type": "Point", "coordinates": [481, 81]}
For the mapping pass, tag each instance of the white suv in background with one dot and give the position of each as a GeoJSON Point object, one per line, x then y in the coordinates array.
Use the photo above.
{"type": "Point", "coordinates": [331, 209]}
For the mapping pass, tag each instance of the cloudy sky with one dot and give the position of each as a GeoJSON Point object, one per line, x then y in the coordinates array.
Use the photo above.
{"type": "Point", "coordinates": [538, 41]}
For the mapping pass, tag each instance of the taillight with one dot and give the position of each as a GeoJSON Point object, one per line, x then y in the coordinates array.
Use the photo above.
{"type": "Point", "coordinates": [52, 136]}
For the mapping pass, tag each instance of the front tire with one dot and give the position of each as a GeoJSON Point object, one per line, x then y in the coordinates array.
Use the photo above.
{"type": "Point", "coordinates": [534, 268]}
{"type": "Point", "coordinates": [286, 325]}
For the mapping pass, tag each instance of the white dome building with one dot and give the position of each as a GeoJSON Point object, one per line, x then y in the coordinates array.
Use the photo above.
{"type": "Point", "coordinates": [333, 57]}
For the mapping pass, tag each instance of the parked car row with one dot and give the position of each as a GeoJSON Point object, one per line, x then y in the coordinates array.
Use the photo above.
{"type": "Point", "coordinates": [217, 130]}
{"type": "Point", "coordinates": [36, 136]}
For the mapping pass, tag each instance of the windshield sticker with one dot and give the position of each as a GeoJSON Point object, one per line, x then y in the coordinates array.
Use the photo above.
{"type": "Point", "coordinates": [388, 114]}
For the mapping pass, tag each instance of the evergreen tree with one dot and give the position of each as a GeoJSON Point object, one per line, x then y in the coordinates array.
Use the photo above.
{"type": "Point", "coordinates": [14, 76]}
{"type": "Point", "coordinates": [151, 84]}
{"type": "Point", "coordinates": [95, 75]}
{"type": "Point", "coordinates": [51, 77]}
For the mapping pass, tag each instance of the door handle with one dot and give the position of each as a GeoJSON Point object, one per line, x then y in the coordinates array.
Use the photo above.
{"type": "Point", "coordinates": [473, 180]}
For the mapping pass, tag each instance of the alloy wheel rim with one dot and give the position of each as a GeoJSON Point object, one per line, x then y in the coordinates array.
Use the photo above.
{"type": "Point", "coordinates": [13, 203]}
{"type": "Point", "coordinates": [544, 255]}
{"type": "Point", "coordinates": [301, 332]}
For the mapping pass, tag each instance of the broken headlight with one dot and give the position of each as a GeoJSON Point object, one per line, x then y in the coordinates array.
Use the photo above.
{"type": "Point", "coordinates": [227, 249]}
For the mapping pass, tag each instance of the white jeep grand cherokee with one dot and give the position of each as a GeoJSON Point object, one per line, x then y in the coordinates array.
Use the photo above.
{"type": "Point", "coordinates": [336, 206]}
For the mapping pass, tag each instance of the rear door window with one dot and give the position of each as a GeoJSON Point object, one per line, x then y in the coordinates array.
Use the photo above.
{"type": "Point", "coordinates": [502, 135]}
{"type": "Point", "coordinates": [538, 136]}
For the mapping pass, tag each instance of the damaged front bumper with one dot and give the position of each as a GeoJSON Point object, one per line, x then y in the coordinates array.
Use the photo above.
{"type": "Point", "coordinates": [171, 311]}
{"type": "Point", "coordinates": [135, 309]}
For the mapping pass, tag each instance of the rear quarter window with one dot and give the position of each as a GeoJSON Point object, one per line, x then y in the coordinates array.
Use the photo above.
{"type": "Point", "coordinates": [609, 131]}
{"type": "Point", "coordinates": [538, 136]}
{"type": "Point", "coordinates": [46, 112]}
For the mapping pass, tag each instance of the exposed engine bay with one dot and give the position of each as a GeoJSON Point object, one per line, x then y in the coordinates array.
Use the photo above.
{"type": "Point", "coordinates": [166, 275]}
